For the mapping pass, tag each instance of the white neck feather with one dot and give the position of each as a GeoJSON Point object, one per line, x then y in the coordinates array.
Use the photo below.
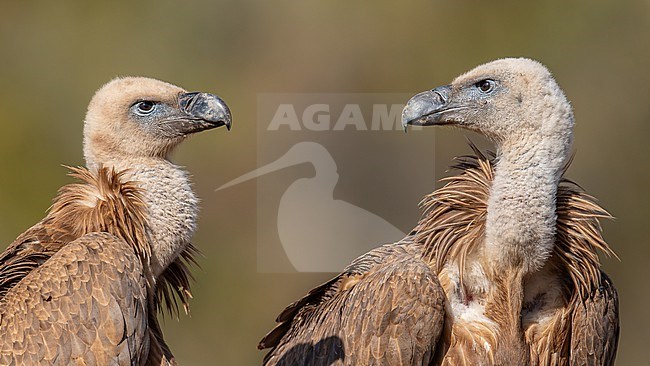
{"type": "Point", "coordinates": [520, 225]}
{"type": "Point", "coordinates": [172, 206]}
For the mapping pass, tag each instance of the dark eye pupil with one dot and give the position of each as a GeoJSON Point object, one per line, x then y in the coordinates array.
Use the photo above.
{"type": "Point", "coordinates": [145, 106]}
{"type": "Point", "coordinates": [485, 86]}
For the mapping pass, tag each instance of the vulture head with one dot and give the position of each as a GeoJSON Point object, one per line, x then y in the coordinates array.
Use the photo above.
{"type": "Point", "coordinates": [138, 117]}
{"type": "Point", "coordinates": [507, 100]}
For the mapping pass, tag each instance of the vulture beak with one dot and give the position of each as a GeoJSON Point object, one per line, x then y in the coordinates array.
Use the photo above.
{"type": "Point", "coordinates": [426, 108]}
{"type": "Point", "coordinates": [205, 111]}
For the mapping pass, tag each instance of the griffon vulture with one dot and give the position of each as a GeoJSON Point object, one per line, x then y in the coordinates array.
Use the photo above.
{"type": "Point", "coordinates": [502, 269]}
{"type": "Point", "coordinates": [83, 286]}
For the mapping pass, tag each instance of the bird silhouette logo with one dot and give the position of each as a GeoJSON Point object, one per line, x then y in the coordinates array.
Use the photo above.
{"type": "Point", "coordinates": [318, 232]}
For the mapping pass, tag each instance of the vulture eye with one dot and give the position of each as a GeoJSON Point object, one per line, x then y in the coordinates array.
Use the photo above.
{"type": "Point", "coordinates": [144, 107]}
{"type": "Point", "coordinates": [485, 86]}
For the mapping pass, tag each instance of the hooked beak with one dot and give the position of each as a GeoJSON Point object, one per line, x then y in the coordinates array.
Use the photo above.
{"type": "Point", "coordinates": [426, 108]}
{"type": "Point", "coordinates": [205, 111]}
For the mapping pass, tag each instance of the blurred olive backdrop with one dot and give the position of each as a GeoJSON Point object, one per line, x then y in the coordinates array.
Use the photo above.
{"type": "Point", "coordinates": [54, 55]}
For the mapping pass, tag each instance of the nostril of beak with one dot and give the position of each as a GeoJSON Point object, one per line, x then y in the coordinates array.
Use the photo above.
{"type": "Point", "coordinates": [443, 100]}
{"type": "Point", "coordinates": [187, 100]}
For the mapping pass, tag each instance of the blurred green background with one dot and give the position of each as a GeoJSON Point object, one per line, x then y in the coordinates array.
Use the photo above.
{"type": "Point", "coordinates": [54, 55]}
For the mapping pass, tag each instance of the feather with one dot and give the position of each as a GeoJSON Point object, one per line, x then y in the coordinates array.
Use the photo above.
{"type": "Point", "coordinates": [101, 202]}
{"type": "Point", "coordinates": [453, 223]}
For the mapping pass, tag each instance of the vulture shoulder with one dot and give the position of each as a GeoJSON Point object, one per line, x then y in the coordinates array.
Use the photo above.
{"type": "Point", "coordinates": [87, 302]}
{"type": "Point", "coordinates": [75, 285]}
{"type": "Point", "coordinates": [100, 202]}
{"type": "Point", "coordinates": [387, 307]}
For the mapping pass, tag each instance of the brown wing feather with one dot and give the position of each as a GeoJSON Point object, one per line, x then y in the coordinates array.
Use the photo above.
{"type": "Point", "coordinates": [97, 203]}
{"type": "Point", "coordinates": [102, 202]}
{"type": "Point", "coordinates": [386, 307]}
{"type": "Point", "coordinates": [595, 326]}
{"type": "Point", "coordinates": [30, 250]}
{"type": "Point", "coordinates": [87, 302]}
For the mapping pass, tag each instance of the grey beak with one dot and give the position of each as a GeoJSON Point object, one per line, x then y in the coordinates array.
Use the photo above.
{"type": "Point", "coordinates": [209, 110]}
{"type": "Point", "coordinates": [421, 110]}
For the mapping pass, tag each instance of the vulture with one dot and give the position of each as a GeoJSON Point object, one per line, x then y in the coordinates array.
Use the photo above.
{"type": "Point", "coordinates": [84, 285]}
{"type": "Point", "coordinates": [503, 266]}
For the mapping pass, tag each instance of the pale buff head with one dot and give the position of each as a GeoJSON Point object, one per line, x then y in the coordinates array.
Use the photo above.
{"type": "Point", "coordinates": [506, 100]}
{"type": "Point", "coordinates": [517, 104]}
{"type": "Point", "coordinates": [136, 117]}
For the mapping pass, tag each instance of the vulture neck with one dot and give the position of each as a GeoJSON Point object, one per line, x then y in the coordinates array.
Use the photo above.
{"type": "Point", "coordinates": [172, 206]}
{"type": "Point", "coordinates": [521, 217]}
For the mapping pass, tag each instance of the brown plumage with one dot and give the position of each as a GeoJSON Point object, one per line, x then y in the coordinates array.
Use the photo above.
{"type": "Point", "coordinates": [84, 285]}
{"type": "Point", "coordinates": [385, 307]}
{"type": "Point", "coordinates": [502, 269]}
{"type": "Point", "coordinates": [453, 227]}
